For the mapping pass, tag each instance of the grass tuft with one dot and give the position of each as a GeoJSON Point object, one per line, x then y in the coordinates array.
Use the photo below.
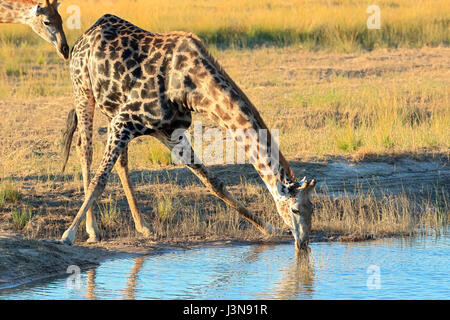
{"type": "Point", "coordinates": [20, 218]}
{"type": "Point", "coordinates": [8, 193]}
{"type": "Point", "coordinates": [109, 213]}
{"type": "Point", "coordinates": [158, 154]}
{"type": "Point", "coordinates": [165, 209]}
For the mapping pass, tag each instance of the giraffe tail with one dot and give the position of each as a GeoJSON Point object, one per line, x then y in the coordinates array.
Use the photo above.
{"type": "Point", "coordinates": [71, 127]}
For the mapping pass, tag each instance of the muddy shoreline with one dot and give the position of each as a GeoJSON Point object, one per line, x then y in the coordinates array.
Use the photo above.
{"type": "Point", "coordinates": [24, 261]}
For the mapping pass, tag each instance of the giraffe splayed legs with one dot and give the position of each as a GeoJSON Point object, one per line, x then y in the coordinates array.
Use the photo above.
{"type": "Point", "coordinates": [149, 84]}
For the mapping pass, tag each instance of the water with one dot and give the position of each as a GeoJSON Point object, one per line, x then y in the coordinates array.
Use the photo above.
{"type": "Point", "coordinates": [415, 268]}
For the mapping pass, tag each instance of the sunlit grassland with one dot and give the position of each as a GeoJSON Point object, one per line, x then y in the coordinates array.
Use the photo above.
{"type": "Point", "coordinates": [320, 108]}
{"type": "Point", "coordinates": [340, 25]}
{"type": "Point", "coordinates": [333, 24]}
{"type": "Point", "coordinates": [379, 103]}
{"type": "Point", "coordinates": [337, 24]}
{"type": "Point", "coordinates": [8, 193]}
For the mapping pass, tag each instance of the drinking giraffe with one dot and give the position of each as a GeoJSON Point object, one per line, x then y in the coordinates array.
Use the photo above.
{"type": "Point", "coordinates": [149, 84]}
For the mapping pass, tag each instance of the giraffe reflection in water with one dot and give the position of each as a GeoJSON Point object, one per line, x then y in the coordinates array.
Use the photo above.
{"type": "Point", "coordinates": [296, 280]}
{"type": "Point", "coordinates": [129, 291]}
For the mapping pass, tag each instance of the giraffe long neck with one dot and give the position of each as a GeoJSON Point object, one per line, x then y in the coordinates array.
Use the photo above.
{"type": "Point", "coordinates": [16, 11]}
{"type": "Point", "coordinates": [221, 98]}
{"type": "Point", "coordinates": [262, 150]}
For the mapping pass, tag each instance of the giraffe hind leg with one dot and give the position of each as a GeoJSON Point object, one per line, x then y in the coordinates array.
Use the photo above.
{"type": "Point", "coordinates": [85, 118]}
{"type": "Point", "coordinates": [117, 141]}
{"type": "Point", "coordinates": [122, 170]}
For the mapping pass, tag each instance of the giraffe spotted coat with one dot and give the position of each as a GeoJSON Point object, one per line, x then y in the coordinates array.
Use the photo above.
{"type": "Point", "coordinates": [148, 84]}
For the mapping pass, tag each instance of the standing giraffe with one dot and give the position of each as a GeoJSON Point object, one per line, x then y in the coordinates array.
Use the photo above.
{"type": "Point", "coordinates": [44, 20]}
{"type": "Point", "coordinates": [148, 84]}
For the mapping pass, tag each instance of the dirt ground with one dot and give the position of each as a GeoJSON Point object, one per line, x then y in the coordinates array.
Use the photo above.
{"type": "Point", "coordinates": [23, 260]}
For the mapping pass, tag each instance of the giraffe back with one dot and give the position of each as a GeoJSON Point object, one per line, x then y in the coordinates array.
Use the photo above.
{"type": "Point", "coordinates": [135, 73]}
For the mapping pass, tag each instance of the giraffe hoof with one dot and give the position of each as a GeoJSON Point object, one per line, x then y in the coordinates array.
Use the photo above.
{"type": "Point", "coordinates": [93, 239]}
{"type": "Point", "coordinates": [68, 237]}
{"type": "Point", "coordinates": [146, 231]}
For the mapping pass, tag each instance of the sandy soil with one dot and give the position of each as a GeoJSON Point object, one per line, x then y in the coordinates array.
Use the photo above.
{"type": "Point", "coordinates": [23, 260]}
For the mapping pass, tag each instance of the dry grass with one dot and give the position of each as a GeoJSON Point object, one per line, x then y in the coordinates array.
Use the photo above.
{"type": "Point", "coordinates": [185, 213]}
{"type": "Point", "coordinates": [385, 102]}
{"type": "Point", "coordinates": [379, 103]}
{"type": "Point", "coordinates": [332, 24]}
{"type": "Point", "coordinates": [20, 218]}
{"type": "Point", "coordinates": [366, 216]}
{"type": "Point", "coordinates": [382, 103]}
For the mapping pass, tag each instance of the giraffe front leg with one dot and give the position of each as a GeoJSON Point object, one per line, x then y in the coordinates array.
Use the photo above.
{"type": "Point", "coordinates": [181, 148]}
{"type": "Point", "coordinates": [122, 170]}
{"type": "Point", "coordinates": [117, 141]}
{"type": "Point", "coordinates": [218, 189]}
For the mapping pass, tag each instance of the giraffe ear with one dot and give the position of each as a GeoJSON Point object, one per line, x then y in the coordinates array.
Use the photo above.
{"type": "Point", "coordinates": [36, 10]}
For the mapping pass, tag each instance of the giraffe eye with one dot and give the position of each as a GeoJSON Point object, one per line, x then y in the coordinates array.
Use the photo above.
{"type": "Point", "coordinates": [47, 23]}
{"type": "Point", "coordinates": [295, 208]}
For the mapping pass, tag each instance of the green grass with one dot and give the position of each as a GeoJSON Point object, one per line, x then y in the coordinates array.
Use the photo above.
{"type": "Point", "coordinates": [333, 25]}
{"type": "Point", "coordinates": [109, 213]}
{"type": "Point", "coordinates": [8, 193]}
{"type": "Point", "coordinates": [157, 154]}
{"type": "Point", "coordinates": [165, 209]}
{"type": "Point", "coordinates": [21, 217]}
{"type": "Point", "coordinates": [348, 142]}
{"type": "Point", "coordinates": [335, 38]}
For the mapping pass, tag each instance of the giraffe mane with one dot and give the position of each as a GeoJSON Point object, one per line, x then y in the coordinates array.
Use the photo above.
{"type": "Point", "coordinates": [244, 97]}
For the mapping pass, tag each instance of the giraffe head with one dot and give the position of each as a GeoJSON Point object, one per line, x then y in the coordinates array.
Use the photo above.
{"type": "Point", "coordinates": [46, 22]}
{"type": "Point", "coordinates": [296, 210]}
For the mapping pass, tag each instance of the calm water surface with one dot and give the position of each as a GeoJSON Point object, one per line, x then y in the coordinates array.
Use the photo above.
{"type": "Point", "coordinates": [414, 268]}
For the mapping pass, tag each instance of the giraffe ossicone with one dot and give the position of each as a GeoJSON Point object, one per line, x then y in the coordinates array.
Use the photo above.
{"type": "Point", "coordinates": [149, 84]}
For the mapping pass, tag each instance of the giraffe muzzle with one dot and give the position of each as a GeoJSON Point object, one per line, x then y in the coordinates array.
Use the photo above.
{"type": "Point", "coordinates": [64, 51]}
{"type": "Point", "coordinates": [301, 230]}
{"type": "Point", "coordinates": [302, 246]}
